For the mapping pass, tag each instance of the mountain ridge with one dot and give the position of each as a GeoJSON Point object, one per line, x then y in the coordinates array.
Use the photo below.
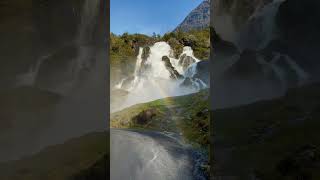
{"type": "Point", "coordinates": [197, 19]}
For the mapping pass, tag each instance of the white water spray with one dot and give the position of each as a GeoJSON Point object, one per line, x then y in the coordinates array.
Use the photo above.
{"type": "Point", "coordinates": [154, 82]}
{"type": "Point", "coordinates": [260, 28]}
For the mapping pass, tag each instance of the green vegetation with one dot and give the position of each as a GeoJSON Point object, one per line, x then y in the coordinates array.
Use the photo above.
{"type": "Point", "coordinates": [188, 114]}
{"type": "Point", "coordinates": [74, 159]}
{"type": "Point", "coordinates": [123, 52]}
{"type": "Point", "coordinates": [198, 40]}
{"type": "Point", "coordinates": [124, 48]}
{"type": "Point", "coordinates": [275, 140]}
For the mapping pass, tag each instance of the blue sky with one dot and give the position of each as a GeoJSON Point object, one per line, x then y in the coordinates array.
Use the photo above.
{"type": "Point", "coordinates": [148, 16]}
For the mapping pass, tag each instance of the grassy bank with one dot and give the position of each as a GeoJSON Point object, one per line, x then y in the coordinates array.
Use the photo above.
{"type": "Point", "coordinates": [187, 114]}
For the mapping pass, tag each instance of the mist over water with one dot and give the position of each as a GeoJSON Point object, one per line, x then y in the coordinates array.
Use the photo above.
{"type": "Point", "coordinates": [152, 80]}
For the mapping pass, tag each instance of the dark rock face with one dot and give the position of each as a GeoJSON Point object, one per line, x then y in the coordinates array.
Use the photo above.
{"type": "Point", "coordinates": [299, 33]}
{"type": "Point", "coordinates": [231, 15]}
{"type": "Point", "coordinates": [246, 67]}
{"type": "Point", "coordinates": [145, 55]}
{"type": "Point", "coordinates": [187, 82]}
{"type": "Point", "coordinates": [199, 18]}
{"type": "Point", "coordinates": [174, 74]}
{"type": "Point", "coordinates": [185, 61]}
{"type": "Point", "coordinates": [144, 117]}
{"type": "Point", "coordinates": [191, 82]}
{"type": "Point", "coordinates": [222, 49]}
{"type": "Point", "coordinates": [203, 71]}
{"type": "Point", "coordinates": [297, 21]}
{"type": "Point", "coordinates": [244, 80]}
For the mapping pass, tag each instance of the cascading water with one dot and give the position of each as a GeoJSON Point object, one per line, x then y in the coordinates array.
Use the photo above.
{"type": "Point", "coordinates": [282, 72]}
{"type": "Point", "coordinates": [260, 28]}
{"type": "Point", "coordinates": [86, 30]}
{"type": "Point", "coordinates": [58, 119]}
{"type": "Point", "coordinates": [29, 78]}
{"type": "Point", "coordinates": [153, 80]}
{"type": "Point", "coordinates": [83, 60]}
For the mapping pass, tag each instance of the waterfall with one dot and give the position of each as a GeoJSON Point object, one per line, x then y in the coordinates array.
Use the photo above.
{"type": "Point", "coordinates": [86, 30]}
{"type": "Point", "coordinates": [282, 71]}
{"type": "Point", "coordinates": [152, 79]}
{"type": "Point", "coordinates": [191, 71]}
{"type": "Point", "coordinates": [302, 75]}
{"type": "Point", "coordinates": [29, 78]}
{"type": "Point", "coordinates": [87, 26]}
{"type": "Point", "coordinates": [138, 63]}
{"type": "Point", "coordinates": [260, 27]}
{"type": "Point", "coordinates": [89, 18]}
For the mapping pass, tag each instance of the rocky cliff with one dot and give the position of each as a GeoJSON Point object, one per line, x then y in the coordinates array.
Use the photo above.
{"type": "Point", "coordinates": [199, 18]}
{"type": "Point", "coordinates": [260, 49]}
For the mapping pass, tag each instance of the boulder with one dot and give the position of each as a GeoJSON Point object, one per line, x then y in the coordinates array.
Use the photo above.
{"type": "Point", "coordinates": [144, 117]}
{"type": "Point", "coordinates": [174, 74]}
{"type": "Point", "coordinates": [185, 61]}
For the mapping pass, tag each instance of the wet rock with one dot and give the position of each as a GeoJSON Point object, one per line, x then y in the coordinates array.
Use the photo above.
{"type": "Point", "coordinates": [203, 72]}
{"type": "Point", "coordinates": [174, 74]}
{"type": "Point", "coordinates": [185, 61]}
{"type": "Point", "coordinates": [145, 53]}
{"type": "Point", "coordinates": [144, 56]}
{"type": "Point", "coordinates": [195, 83]}
{"type": "Point", "coordinates": [247, 66]}
{"type": "Point", "coordinates": [187, 82]}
